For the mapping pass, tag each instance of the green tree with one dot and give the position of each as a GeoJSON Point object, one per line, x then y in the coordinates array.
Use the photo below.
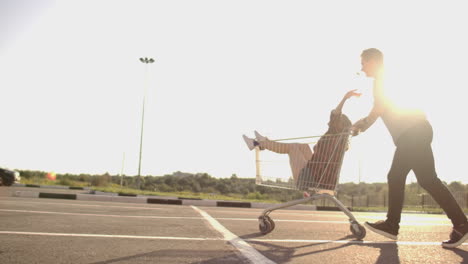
{"type": "Point", "coordinates": [456, 186]}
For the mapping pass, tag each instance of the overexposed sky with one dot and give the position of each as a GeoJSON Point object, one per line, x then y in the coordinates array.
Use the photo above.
{"type": "Point", "coordinates": [72, 85]}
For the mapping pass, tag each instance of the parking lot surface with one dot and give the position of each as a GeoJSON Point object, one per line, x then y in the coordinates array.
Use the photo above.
{"type": "Point", "coordinates": [34, 230]}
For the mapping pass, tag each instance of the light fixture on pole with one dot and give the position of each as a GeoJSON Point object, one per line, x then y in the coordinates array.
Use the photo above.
{"type": "Point", "coordinates": [146, 61]}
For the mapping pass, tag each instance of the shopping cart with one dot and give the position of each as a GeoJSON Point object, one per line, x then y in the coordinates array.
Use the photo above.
{"type": "Point", "coordinates": [319, 176]}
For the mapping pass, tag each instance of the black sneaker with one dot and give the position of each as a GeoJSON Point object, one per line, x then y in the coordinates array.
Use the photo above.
{"type": "Point", "coordinates": [382, 228]}
{"type": "Point", "coordinates": [457, 237]}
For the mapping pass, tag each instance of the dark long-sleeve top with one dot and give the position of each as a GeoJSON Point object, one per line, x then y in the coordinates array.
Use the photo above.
{"type": "Point", "coordinates": [397, 120]}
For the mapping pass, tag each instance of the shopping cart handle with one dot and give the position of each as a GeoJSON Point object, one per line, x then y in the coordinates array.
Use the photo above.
{"type": "Point", "coordinates": [355, 131]}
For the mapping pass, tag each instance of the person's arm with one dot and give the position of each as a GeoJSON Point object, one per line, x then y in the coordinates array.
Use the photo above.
{"type": "Point", "coordinates": [364, 123]}
{"type": "Point", "coordinates": [348, 95]}
{"type": "Point", "coordinates": [336, 113]}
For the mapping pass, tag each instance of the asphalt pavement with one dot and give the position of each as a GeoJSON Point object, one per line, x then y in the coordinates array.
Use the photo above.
{"type": "Point", "coordinates": [41, 230]}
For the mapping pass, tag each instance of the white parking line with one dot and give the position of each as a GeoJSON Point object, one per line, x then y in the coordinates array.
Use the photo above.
{"type": "Point", "coordinates": [410, 223]}
{"type": "Point", "coordinates": [167, 217]}
{"type": "Point", "coordinates": [366, 215]}
{"type": "Point", "coordinates": [90, 205]}
{"type": "Point", "coordinates": [101, 215]}
{"type": "Point", "coordinates": [253, 211]}
{"type": "Point", "coordinates": [410, 243]}
{"type": "Point", "coordinates": [363, 215]}
{"type": "Point", "coordinates": [108, 236]}
{"type": "Point", "coordinates": [309, 241]}
{"type": "Point", "coordinates": [247, 250]}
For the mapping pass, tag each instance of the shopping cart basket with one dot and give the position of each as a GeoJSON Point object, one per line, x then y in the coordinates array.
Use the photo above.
{"type": "Point", "coordinates": [318, 176]}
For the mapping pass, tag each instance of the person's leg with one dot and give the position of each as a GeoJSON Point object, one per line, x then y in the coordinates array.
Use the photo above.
{"type": "Point", "coordinates": [396, 191]}
{"type": "Point", "coordinates": [423, 165]}
{"type": "Point", "coordinates": [396, 180]}
{"type": "Point", "coordinates": [298, 153]}
{"type": "Point", "coordinates": [278, 147]}
{"type": "Point", "coordinates": [426, 175]}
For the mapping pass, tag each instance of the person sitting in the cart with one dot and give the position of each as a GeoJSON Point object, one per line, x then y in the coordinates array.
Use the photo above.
{"type": "Point", "coordinates": [317, 168]}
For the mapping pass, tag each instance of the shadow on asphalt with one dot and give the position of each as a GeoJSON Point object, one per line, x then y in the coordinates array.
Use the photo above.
{"type": "Point", "coordinates": [171, 256]}
{"type": "Point", "coordinates": [278, 254]}
{"type": "Point", "coordinates": [388, 253]}
{"type": "Point", "coordinates": [283, 254]}
{"type": "Point", "coordinates": [460, 252]}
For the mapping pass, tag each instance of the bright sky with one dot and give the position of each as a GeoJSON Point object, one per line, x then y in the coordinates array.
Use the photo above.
{"type": "Point", "coordinates": [72, 85]}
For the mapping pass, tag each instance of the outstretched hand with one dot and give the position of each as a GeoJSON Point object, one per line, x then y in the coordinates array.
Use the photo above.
{"type": "Point", "coordinates": [346, 97]}
{"type": "Point", "coordinates": [352, 93]}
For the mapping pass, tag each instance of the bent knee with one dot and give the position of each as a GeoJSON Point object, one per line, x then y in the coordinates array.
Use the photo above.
{"type": "Point", "coordinates": [428, 182]}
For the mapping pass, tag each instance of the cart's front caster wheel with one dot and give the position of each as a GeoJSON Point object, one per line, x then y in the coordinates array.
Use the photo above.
{"type": "Point", "coordinates": [358, 231]}
{"type": "Point", "coordinates": [272, 223]}
{"type": "Point", "coordinates": [265, 224]}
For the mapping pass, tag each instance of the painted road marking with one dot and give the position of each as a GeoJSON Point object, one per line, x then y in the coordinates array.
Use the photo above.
{"type": "Point", "coordinates": [370, 215]}
{"type": "Point", "coordinates": [366, 215]}
{"type": "Point", "coordinates": [415, 223]}
{"type": "Point", "coordinates": [410, 243]}
{"type": "Point", "coordinates": [246, 250]}
{"type": "Point", "coordinates": [109, 236]}
{"type": "Point", "coordinates": [406, 217]}
{"type": "Point", "coordinates": [102, 215]}
{"type": "Point", "coordinates": [92, 205]}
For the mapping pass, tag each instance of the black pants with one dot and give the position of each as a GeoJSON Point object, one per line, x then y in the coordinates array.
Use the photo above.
{"type": "Point", "coordinates": [414, 152]}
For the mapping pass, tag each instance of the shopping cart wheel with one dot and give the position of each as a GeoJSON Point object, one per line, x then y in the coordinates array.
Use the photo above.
{"type": "Point", "coordinates": [272, 223]}
{"type": "Point", "coordinates": [358, 230]}
{"type": "Point", "coordinates": [265, 224]}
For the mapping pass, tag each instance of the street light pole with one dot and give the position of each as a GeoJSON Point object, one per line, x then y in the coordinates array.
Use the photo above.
{"type": "Point", "coordinates": [146, 61]}
{"type": "Point", "coordinates": [121, 170]}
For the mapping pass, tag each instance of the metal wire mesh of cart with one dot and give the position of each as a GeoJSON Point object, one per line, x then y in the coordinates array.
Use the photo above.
{"type": "Point", "coordinates": [305, 163]}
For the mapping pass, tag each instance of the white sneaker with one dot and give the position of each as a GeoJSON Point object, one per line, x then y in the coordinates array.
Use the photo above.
{"type": "Point", "coordinates": [249, 142]}
{"type": "Point", "coordinates": [259, 137]}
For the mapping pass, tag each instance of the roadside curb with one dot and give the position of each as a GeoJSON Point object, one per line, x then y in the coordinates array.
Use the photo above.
{"type": "Point", "coordinates": [50, 186]}
{"type": "Point", "coordinates": [154, 200]}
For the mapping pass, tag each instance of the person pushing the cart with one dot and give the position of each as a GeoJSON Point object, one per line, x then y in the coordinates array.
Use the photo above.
{"type": "Point", "coordinates": [412, 135]}
{"type": "Point", "coordinates": [306, 163]}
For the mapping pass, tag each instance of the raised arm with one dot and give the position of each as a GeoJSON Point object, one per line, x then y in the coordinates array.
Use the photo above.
{"type": "Point", "coordinates": [348, 95]}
